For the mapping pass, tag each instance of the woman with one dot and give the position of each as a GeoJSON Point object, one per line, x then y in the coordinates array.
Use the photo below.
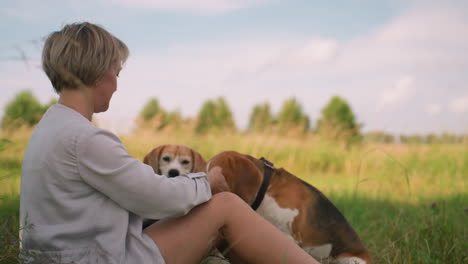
{"type": "Point", "coordinates": [83, 197]}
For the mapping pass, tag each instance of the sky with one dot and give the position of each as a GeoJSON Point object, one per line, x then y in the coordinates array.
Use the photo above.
{"type": "Point", "coordinates": [401, 64]}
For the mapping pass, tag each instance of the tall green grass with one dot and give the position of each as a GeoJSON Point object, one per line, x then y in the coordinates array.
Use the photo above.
{"type": "Point", "coordinates": [409, 203]}
{"type": "Point", "coordinates": [11, 149]}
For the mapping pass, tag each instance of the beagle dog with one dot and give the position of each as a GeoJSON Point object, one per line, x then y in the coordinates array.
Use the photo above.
{"type": "Point", "coordinates": [295, 207]}
{"type": "Point", "coordinates": [173, 160]}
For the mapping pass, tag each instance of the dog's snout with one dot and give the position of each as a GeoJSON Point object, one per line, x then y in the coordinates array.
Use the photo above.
{"type": "Point", "coordinates": [173, 173]}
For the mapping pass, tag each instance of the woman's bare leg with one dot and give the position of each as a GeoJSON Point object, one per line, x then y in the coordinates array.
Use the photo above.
{"type": "Point", "coordinates": [186, 239]}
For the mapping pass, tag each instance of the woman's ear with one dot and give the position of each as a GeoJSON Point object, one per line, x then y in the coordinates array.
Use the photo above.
{"type": "Point", "coordinates": [153, 157]}
{"type": "Point", "coordinates": [199, 163]}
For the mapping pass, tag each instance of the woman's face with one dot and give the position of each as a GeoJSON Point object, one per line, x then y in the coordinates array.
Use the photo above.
{"type": "Point", "coordinates": [104, 89]}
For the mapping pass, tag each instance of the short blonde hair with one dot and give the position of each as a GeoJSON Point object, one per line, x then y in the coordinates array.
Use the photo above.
{"type": "Point", "coordinates": [79, 54]}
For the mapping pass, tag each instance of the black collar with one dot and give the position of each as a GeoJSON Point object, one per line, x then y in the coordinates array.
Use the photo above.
{"type": "Point", "coordinates": [268, 171]}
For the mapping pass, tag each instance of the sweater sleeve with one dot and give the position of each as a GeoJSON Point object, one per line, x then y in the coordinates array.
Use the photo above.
{"type": "Point", "coordinates": [104, 163]}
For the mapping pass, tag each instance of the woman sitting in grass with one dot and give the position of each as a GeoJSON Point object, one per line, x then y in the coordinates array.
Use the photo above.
{"type": "Point", "coordinates": [83, 197]}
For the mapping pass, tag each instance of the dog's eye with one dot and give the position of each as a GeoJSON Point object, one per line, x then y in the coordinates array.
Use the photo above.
{"type": "Point", "coordinates": [185, 162]}
{"type": "Point", "coordinates": [166, 158]}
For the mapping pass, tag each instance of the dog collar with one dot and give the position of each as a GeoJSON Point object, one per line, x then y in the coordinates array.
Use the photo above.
{"type": "Point", "coordinates": [267, 172]}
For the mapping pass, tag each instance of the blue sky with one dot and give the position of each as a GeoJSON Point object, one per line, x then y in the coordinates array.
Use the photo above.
{"type": "Point", "coordinates": [402, 65]}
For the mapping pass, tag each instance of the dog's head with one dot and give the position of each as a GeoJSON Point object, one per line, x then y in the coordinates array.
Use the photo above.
{"type": "Point", "coordinates": [173, 160]}
{"type": "Point", "coordinates": [243, 173]}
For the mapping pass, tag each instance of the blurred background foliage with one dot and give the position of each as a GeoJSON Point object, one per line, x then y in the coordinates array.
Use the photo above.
{"type": "Point", "coordinates": [337, 122]}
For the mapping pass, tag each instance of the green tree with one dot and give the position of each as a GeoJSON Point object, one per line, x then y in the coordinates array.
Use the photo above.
{"type": "Point", "coordinates": [260, 118]}
{"type": "Point", "coordinates": [24, 109]}
{"type": "Point", "coordinates": [172, 119]}
{"type": "Point", "coordinates": [151, 109]}
{"type": "Point", "coordinates": [292, 117]}
{"type": "Point", "coordinates": [206, 117]}
{"type": "Point", "coordinates": [224, 116]}
{"type": "Point", "coordinates": [214, 115]}
{"type": "Point", "coordinates": [338, 121]}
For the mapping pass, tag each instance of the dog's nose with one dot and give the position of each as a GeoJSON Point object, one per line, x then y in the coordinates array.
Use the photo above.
{"type": "Point", "coordinates": [173, 173]}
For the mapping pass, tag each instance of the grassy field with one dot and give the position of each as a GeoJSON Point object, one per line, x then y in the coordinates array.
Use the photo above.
{"type": "Point", "coordinates": [409, 203]}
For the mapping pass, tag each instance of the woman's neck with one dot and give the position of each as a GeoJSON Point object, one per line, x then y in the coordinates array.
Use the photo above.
{"type": "Point", "coordinates": [79, 100]}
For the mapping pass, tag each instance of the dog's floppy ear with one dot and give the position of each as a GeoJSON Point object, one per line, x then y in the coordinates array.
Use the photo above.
{"type": "Point", "coordinates": [152, 158]}
{"type": "Point", "coordinates": [242, 175]}
{"type": "Point", "coordinates": [199, 163]}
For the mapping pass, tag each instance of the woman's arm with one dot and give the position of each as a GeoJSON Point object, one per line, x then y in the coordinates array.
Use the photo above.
{"type": "Point", "coordinates": [104, 163]}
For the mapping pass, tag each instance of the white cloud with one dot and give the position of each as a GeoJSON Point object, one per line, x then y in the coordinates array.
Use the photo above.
{"type": "Point", "coordinates": [459, 105]}
{"type": "Point", "coordinates": [203, 6]}
{"type": "Point", "coordinates": [433, 109]}
{"type": "Point", "coordinates": [316, 50]}
{"type": "Point", "coordinates": [403, 90]}
{"type": "Point", "coordinates": [420, 40]}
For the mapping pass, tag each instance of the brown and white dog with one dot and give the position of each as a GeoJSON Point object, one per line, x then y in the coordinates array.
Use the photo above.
{"type": "Point", "coordinates": [295, 207]}
{"type": "Point", "coordinates": [173, 160]}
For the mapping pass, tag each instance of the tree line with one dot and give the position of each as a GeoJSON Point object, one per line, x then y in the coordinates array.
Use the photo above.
{"type": "Point", "coordinates": [337, 120]}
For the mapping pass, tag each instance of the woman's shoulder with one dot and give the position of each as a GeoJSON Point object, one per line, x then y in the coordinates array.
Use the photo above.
{"type": "Point", "coordinates": [63, 124]}
{"type": "Point", "coordinates": [70, 127]}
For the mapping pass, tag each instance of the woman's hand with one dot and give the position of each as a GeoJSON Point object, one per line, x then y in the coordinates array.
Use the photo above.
{"type": "Point", "coordinates": [217, 181]}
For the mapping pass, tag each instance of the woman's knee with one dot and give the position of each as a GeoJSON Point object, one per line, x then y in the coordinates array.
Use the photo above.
{"type": "Point", "coordinates": [227, 202]}
{"type": "Point", "coordinates": [227, 198]}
